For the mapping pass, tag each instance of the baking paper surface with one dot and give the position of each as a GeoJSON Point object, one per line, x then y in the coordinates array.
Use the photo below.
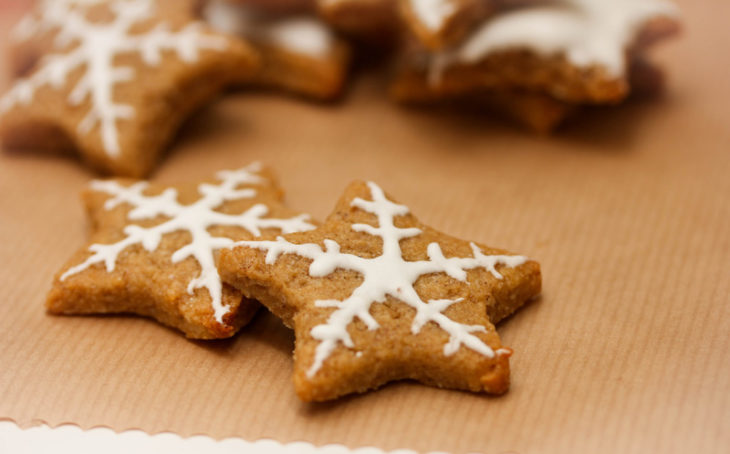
{"type": "Point", "coordinates": [627, 210]}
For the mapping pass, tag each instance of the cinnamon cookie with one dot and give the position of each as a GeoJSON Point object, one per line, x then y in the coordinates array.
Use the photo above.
{"type": "Point", "coordinates": [374, 295]}
{"type": "Point", "coordinates": [576, 52]}
{"type": "Point", "coordinates": [116, 79]}
{"type": "Point", "coordinates": [153, 248]}
{"type": "Point", "coordinates": [299, 53]}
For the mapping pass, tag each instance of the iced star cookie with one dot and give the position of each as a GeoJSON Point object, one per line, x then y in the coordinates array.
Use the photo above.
{"type": "Point", "coordinates": [576, 51]}
{"type": "Point", "coordinates": [46, 26]}
{"type": "Point", "coordinates": [153, 248]}
{"type": "Point", "coordinates": [118, 80]}
{"type": "Point", "coordinates": [299, 53]}
{"type": "Point", "coordinates": [573, 51]}
{"type": "Point", "coordinates": [374, 296]}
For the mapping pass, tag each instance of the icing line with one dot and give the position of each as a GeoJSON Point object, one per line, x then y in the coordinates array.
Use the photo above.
{"type": "Point", "coordinates": [433, 13]}
{"type": "Point", "coordinates": [300, 34]}
{"type": "Point", "coordinates": [96, 47]}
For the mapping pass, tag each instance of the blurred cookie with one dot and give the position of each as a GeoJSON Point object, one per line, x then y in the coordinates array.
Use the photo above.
{"type": "Point", "coordinates": [574, 52]}
{"type": "Point", "coordinates": [299, 53]}
{"type": "Point", "coordinates": [153, 247]}
{"type": "Point", "coordinates": [374, 296]}
{"type": "Point", "coordinates": [118, 79]}
{"type": "Point", "coordinates": [39, 30]}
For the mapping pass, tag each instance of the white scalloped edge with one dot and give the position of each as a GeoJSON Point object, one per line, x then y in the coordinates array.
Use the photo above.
{"type": "Point", "coordinates": [70, 437]}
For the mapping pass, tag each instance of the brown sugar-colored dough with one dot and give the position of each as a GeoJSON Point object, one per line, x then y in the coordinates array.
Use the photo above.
{"type": "Point", "coordinates": [537, 112]}
{"type": "Point", "coordinates": [508, 71]}
{"type": "Point", "coordinates": [543, 114]}
{"type": "Point", "coordinates": [369, 19]}
{"type": "Point", "coordinates": [392, 351]}
{"type": "Point", "coordinates": [161, 96]}
{"type": "Point", "coordinates": [148, 283]}
{"type": "Point", "coordinates": [24, 54]}
{"type": "Point", "coordinates": [647, 80]}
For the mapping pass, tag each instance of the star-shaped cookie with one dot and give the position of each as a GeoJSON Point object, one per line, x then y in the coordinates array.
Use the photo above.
{"type": "Point", "coordinates": [577, 51]}
{"type": "Point", "coordinates": [153, 248]}
{"type": "Point", "coordinates": [374, 295]}
{"type": "Point", "coordinates": [299, 53]}
{"type": "Point", "coordinates": [117, 79]}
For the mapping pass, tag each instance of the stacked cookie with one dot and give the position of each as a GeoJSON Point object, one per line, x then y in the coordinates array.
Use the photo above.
{"type": "Point", "coordinates": [532, 60]}
{"type": "Point", "coordinates": [372, 294]}
{"type": "Point", "coordinates": [114, 79]}
{"type": "Point", "coordinates": [536, 61]}
{"type": "Point", "coordinates": [299, 53]}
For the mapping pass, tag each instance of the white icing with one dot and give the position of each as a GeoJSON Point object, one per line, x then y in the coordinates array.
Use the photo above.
{"type": "Point", "coordinates": [387, 274]}
{"type": "Point", "coordinates": [298, 34]}
{"type": "Point", "coordinates": [195, 219]}
{"type": "Point", "coordinates": [229, 18]}
{"type": "Point", "coordinates": [433, 13]}
{"type": "Point", "coordinates": [304, 35]}
{"type": "Point", "coordinates": [587, 32]}
{"type": "Point", "coordinates": [96, 47]}
{"type": "Point", "coordinates": [48, 16]}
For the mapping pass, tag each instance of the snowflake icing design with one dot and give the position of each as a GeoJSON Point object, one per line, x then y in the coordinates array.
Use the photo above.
{"type": "Point", "coordinates": [95, 47]}
{"type": "Point", "coordinates": [387, 274]}
{"type": "Point", "coordinates": [195, 218]}
{"type": "Point", "coordinates": [49, 16]}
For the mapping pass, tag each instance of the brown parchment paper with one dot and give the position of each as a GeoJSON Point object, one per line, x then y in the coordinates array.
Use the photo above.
{"type": "Point", "coordinates": [627, 209]}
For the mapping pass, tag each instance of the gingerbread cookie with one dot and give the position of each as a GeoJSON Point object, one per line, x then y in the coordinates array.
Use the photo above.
{"type": "Point", "coordinates": [536, 111]}
{"type": "Point", "coordinates": [299, 53]}
{"type": "Point", "coordinates": [153, 247]}
{"type": "Point", "coordinates": [118, 80]}
{"type": "Point", "coordinates": [374, 295]}
{"type": "Point", "coordinates": [574, 52]}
